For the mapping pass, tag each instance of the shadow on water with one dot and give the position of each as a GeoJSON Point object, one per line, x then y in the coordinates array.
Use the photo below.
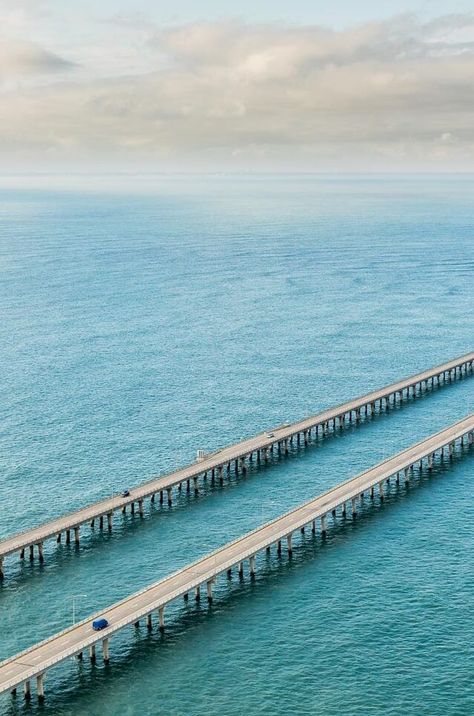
{"type": "Point", "coordinates": [63, 556]}
{"type": "Point", "coordinates": [187, 618]}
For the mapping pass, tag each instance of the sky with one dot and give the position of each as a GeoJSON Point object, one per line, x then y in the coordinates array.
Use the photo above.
{"type": "Point", "coordinates": [265, 85]}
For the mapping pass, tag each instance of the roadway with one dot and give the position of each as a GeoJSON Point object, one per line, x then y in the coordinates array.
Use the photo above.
{"type": "Point", "coordinates": [74, 640]}
{"type": "Point", "coordinates": [37, 535]}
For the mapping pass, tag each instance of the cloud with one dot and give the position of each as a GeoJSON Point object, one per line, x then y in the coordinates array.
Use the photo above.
{"type": "Point", "coordinates": [235, 94]}
{"type": "Point", "coordinates": [20, 58]}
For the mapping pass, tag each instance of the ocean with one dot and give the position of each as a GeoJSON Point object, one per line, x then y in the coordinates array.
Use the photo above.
{"type": "Point", "coordinates": [146, 318]}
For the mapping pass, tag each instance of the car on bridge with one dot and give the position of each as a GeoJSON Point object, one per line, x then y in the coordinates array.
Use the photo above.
{"type": "Point", "coordinates": [99, 624]}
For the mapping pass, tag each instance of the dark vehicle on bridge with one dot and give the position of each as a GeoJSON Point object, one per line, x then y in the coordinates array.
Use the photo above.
{"type": "Point", "coordinates": [99, 624]}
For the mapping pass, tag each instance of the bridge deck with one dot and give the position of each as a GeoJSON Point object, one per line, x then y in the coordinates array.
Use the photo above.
{"type": "Point", "coordinates": [74, 519]}
{"type": "Point", "coordinates": [40, 657]}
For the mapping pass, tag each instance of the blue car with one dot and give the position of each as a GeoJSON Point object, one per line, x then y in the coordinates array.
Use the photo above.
{"type": "Point", "coordinates": [99, 624]}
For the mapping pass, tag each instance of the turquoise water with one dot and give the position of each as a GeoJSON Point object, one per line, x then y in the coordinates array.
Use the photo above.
{"type": "Point", "coordinates": [139, 325]}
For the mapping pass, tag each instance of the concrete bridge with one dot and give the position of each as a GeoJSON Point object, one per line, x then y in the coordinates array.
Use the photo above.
{"type": "Point", "coordinates": [237, 456]}
{"type": "Point", "coordinates": [150, 603]}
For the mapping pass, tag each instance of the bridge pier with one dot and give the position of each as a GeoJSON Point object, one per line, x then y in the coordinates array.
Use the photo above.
{"type": "Point", "coordinates": [106, 650]}
{"type": "Point", "coordinates": [252, 565]}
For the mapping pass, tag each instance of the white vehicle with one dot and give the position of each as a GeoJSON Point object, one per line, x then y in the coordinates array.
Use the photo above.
{"type": "Point", "coordinates": [270, 435]}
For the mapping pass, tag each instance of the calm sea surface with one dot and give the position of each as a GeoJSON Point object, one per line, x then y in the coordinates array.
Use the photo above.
{"type": "Point", "coordinates": [140, 324]}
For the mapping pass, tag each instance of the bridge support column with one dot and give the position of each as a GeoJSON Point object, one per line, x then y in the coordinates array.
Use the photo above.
{"type": "Point", "coordinates": [289, 544]}
{"type": "Point", "coordinates": [1, 568]}
{"type": "Point", "coordinates": [197, 593]}
{"type": "Point", "coordinates": [149, 622]}
{"type": "Point", "coordinates": [323, 525]}
{"type": "Point", "coordinates": [76, 535]}
{"type": "Point", "coordinates": [58, 538]}
{"type": "Point", "coordinates": [209, 591]}
{"type": "Point", "coordinates": [196, 488]}
{"type": "Point", "coordinates": [161, 618]}
{"type": "Point", "coordinates": [105, 650]}
{"type": "Point", "coordinates": [92, 653]}
{"type": "Point", "coordinates": [354, 507]}
{"type": "Point", "coordinates": [40, 552]}
{"type": "Point", "coordinates": [32, 554]}
{"type": "Point", "coordinates": [22, 553]}
{"type": "Point", "coordinates": [140, 508]}
{"type": "Point", "coordinates": [170, 496]}
{"type": "Point", "coordinates": [252, 565]}
{"type": "Point", "coordinates": [27, 690]}
{"type": "Point", "coordinates": [109, 521]}
{"type": "Point", "coordinates": [381, 491]}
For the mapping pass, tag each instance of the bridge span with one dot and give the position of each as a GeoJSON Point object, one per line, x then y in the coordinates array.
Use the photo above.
{"type": "Point", "coordinates": [212, 467]}
{"type": "Point", "coordinates": [34, 662]}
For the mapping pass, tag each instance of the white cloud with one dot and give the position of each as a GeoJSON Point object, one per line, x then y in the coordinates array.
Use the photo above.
{"type": "Point", "coordinates": [380, 94]}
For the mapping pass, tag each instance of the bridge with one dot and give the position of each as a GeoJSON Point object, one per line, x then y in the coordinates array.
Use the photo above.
{"type": "Point", "coordinates": [239, 455]}
{"type": "Point", "coordinates": [34, 662]}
